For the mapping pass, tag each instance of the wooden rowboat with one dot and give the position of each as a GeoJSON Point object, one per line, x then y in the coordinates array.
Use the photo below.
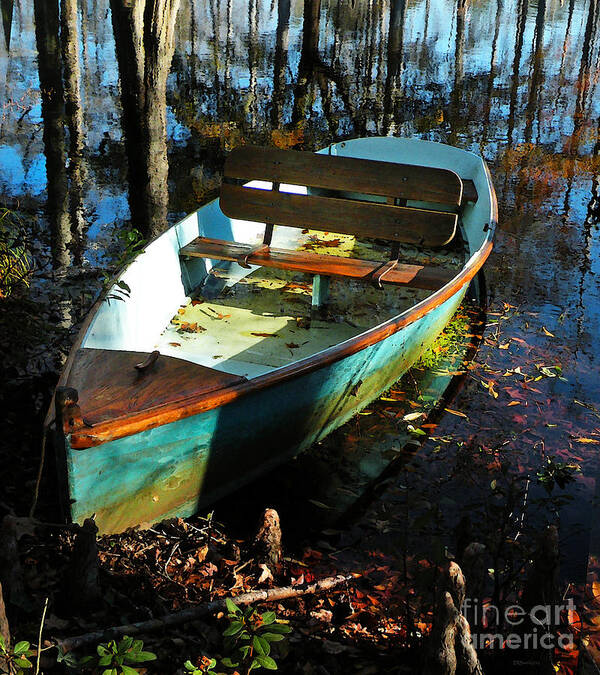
{"type": "Point", "coordinates": [237, 343]}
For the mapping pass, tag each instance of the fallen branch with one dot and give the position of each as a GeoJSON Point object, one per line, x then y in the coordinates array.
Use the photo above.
{"type": "Point", "coordinates": [193, 613]}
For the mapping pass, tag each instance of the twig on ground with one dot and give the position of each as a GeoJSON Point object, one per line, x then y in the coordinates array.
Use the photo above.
{"type": "Point", "coordinates": [191, 614]}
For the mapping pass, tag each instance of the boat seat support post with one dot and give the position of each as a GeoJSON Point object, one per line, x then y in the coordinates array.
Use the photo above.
{"type": "Point", "coordinates": [266, 242]}
{"type": "Point", "coordinates": [320, 291]}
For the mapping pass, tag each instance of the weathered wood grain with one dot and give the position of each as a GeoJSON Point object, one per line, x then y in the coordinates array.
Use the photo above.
{"type": "Point", "coordinates": [385, 179]}
{"type": "Point", "coordinates": [416, 276]}
{"type": "Point", "coordinates": [332, 214]}
{"type": "Point", "coordinates": [110, 387]}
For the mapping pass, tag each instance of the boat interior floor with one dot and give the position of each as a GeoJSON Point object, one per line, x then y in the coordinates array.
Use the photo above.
{"type": "Point", "coordinates": [264, 319]}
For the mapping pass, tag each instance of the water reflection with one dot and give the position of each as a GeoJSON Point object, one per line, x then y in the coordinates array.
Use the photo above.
{"type": "Point", "coordinates": [105, 134]}
{"type": "Point", "coordinates": [7, 7]}
{"type": "Point", "coordinates": [144, 49]}
{"type": "Point", "coordinates": [52, 94]}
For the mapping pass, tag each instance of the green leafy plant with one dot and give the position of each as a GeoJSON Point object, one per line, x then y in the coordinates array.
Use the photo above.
{"type": "Point", "coordinates": [132, 242]}
{"type": "Point", "coordinates": [447, 344]}
{"type": "Point", "coordinates": [16, 659]}
{"type": "Point", "coordinates": [206, 665]}
{"type": "Point", "coordinates": [114, 658]}
{"type": "Point", "coordinates": [559, 473]}
{"type": "Point", "coordinates": [16, 265]}
{"type": "Point", "coordinates": [249, 638]}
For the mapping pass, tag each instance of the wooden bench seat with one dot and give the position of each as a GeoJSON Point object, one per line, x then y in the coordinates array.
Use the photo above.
{"type": "Point", "coordinates": [344, 195]}
{"type": "Point", "coordinates": [416, 276]}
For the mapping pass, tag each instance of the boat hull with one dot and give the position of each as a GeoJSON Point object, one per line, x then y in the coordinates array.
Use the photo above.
{"type": "Point", "coordinates": [178, 468]}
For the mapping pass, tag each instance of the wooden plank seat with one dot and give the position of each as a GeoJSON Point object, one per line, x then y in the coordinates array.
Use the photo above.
{"type": "Point", "coordinates": [417, 276]}
{"type": "Point", "coordinates": [344, 196]}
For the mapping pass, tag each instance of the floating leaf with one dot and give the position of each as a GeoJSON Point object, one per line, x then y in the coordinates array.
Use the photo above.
{"type": "Point", "coordinates": [547, 332]}
{"type": "Point", "coordinates": [456, 412]}
{"type": "Point", "coordinates": [319, 504]}
{"type": "Point", "coordinates": [264, 334]}
{"type": "Point", "coordinates": [412, 416]}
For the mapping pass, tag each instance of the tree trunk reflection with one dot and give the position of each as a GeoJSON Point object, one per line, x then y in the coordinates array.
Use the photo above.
{"type": "Point", "coordinates": [144, 41]}
{"type": "Point", "coordinates": [51, 86]}
{"type": "Point", "coordinates": [74, 115]}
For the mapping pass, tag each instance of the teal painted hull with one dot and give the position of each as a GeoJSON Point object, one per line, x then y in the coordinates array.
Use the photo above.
{"type": "Point", "coordinates": [177, 468]}
{"type": "Point", "coordinates": [159, 468]}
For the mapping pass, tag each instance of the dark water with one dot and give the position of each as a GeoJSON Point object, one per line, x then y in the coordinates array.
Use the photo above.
{"type": "Point", "coordinates": [513, 80]}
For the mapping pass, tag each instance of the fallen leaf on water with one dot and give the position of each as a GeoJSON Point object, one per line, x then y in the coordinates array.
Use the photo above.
{"type": "Point", "coordinates": [412, 416]}
{"type": "Point", "coordinates": [491, 389]}
{"type": "Point", "coordinates": [583, 439]}
{"type": "Point", "coordinates": [291, 345]}
{"type": "Point", "coordinates": [455, 412]}
{"type": "Point", "coordinates": [547, 332]}
{"type": "Point", "coordinates": [175, 344]}
{"type": "Point", "coordinates": [514, 403]}
{"type": "Point", "coordinates": [506, 345]}
{"type": "Point", "coordinates": [320, 504]}
{"type": "Point", "coordinates": [264, 334]}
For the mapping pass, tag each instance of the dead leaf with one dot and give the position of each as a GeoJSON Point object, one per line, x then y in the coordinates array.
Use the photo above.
{"type": "Point", "coordinates": [265, 575]}
{"type": "Point", "coordinates": [186, 327]}
{"type": "Point", "coordinates": [319, 504]}
{"type": "Point", "coordinates": [456, 412]}
{"type": "Point", "coordinates": [324, 615]}
{"type": "Point", "coordinates": [175, 344]}
{"type": "Point", "coordinates": [264, 334]}
{"type": "Point", "coordinates": [547, 332]}
{"type": "Point", "coordinates": [412, 416]}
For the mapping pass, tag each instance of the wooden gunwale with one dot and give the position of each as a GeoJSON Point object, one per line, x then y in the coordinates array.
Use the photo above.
{"type": "Point", "coordinates": [181, 409]}
{"type": "Point", "coordinates": [164, 414]}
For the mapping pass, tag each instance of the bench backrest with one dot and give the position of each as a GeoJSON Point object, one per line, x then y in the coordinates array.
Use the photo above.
{"type": "Point", "coordinates": [392, 221]}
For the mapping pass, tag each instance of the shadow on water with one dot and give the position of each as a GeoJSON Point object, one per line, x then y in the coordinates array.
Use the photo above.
{"type": "Point", "coordinates": [83, 108]}
{"type": "Point", "coordinates": [331, 485]}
